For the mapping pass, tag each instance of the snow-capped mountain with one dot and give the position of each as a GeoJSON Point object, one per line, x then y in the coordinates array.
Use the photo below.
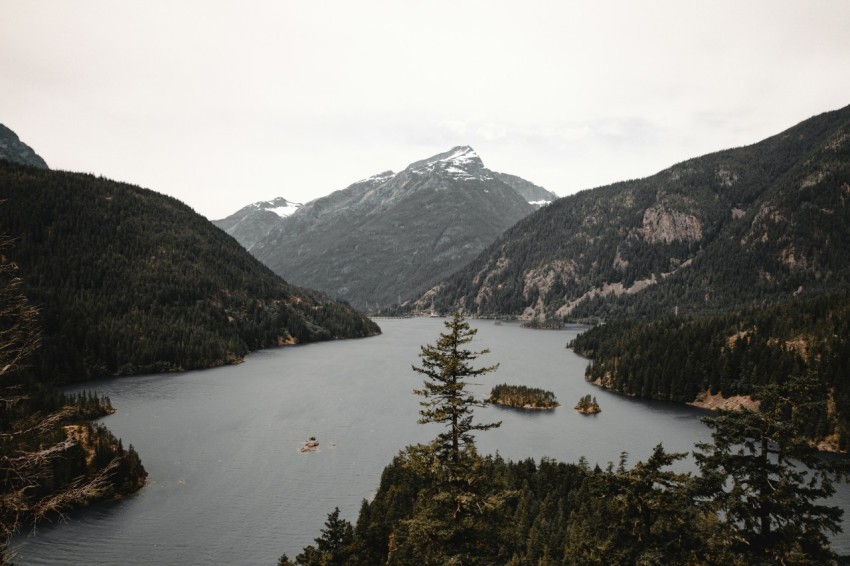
{"type": "Point", "coordinates": [392, 235]}
{"type": "Point", "coordinates": [253, 222]}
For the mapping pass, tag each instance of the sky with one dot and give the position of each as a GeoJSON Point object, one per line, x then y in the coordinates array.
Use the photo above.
{"type": "Point", "coordinates": [224, 103]}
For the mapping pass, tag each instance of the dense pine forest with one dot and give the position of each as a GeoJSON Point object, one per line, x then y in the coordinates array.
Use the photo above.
{"type": "Point", "coordinates": [130, 281]}
{"type": "Point", "coordinates": [681, 358]}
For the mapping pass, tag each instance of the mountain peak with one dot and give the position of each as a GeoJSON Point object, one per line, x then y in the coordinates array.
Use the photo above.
{"type": "Point", "coordinates": [279, 206]}
{"type": "Point", "coordinates": [461, 154]}
{"type": "Point", "coordinates": [13, 149]}
{"type": "Point", "coordinates": [460, 162]}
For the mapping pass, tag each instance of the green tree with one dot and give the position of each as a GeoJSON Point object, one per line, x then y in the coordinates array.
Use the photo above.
{"type": "Point", "coordinates": [762, 477]}
{"type": "Point", "coordinates": [447, 365]}
{"type": "Point", "coordinates": [333, 547]}
{"type": "Point", "coordinates": [642, 515]}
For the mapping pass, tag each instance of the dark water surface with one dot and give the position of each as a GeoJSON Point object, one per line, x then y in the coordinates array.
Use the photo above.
{"type": "Point", "coordinates": [228, 484]}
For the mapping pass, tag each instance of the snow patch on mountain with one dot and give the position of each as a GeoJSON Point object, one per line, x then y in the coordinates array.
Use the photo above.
{"type": "Point", "coordinates": [461, 163]}
{"type": "Point", "coordinates": [378, 178]}
{"type": "Point", "coordinates": [284, 211]}
{"type": "Point", "coordinates": [462, 155]}
{"type": "Point", "coordinates": [279, 206]}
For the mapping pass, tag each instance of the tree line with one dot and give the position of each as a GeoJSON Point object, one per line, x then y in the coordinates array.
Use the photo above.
{"type": "Point", "coordinates": [681, 358]}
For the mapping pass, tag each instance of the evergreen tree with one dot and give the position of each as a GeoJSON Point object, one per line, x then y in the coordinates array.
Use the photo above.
{"type": "Point", "coordinates": [333, 547]}
{"type": "Point", "coordinates": [447, 365]}
{"type": "Point", "coordinates": [762, 477]}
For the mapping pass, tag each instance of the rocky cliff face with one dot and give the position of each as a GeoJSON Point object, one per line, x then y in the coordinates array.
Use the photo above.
{"type": "Point", "coordinates": [14, 150]}
{"type": "Point", "coordinates": [662, 226]}
{"type": "Point", "coordinates": [393, 235]}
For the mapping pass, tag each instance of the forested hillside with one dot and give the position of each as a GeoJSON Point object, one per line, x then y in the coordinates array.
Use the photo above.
{"type": "Point", "coordinates": [685, 358]}
{"type": "Point", "coordinates": [129, 281]}
{"type": "Point", "coordinates": [744, 226]}
{"type": "Point", "coordinates": [53, 457]}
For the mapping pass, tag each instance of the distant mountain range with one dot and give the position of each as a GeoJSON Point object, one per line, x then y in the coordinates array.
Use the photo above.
{"type": "Point", "coordinates": [391, 236]}
{"type": "Point", "coordinates": [745, 226]}
{"type": "Point", "coordinates": [129, 281]}
{"type": "Point", "coordinates": [14, 150]}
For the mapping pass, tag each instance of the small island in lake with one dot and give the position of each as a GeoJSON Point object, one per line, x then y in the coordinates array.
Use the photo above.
{"type": "Point", "coordinates": [587, 405]}
{"type": "Point", "coordinates": [550, 324]}
{"type": "Point", "coordinates": [523, 397]}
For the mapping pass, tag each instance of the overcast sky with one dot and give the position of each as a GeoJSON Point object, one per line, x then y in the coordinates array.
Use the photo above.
{"type": "Point", "coordinates": [223, 103]}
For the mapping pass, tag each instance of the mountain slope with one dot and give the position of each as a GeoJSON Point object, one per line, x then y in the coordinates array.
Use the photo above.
{"type": "Point", "coordinates": [252, 223]}
{"type": "Point", "coordinates": [736, 227]}
{"type": "Point", "coordinates": [394, 234]}
{"type": "Point", "coordinates": [14, 150]}
{"type": "Point", "coordinates": [128, 280]}
{"type": "Point", "coordinates": [536, 195]}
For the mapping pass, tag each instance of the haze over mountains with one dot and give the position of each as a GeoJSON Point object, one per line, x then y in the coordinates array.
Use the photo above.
{"type": "Point", "coordinates": [738, 227]}
{"type": "Point", "coordinates": [394, 234]}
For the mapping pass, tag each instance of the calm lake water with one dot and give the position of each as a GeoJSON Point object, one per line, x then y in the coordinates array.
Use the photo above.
{"type": "Point", "coordinates": [228, 484]}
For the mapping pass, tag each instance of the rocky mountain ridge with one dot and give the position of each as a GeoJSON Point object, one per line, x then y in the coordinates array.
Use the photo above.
{"type": "Point", "coordinates": [725, 230]}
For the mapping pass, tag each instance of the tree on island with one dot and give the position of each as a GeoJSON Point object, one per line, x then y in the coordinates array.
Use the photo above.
{"type": "Point", "coordinates": [587, 405]}
{"type": "Point", "coordinates": [523, 397]}
{"type": "Point", "coordinates": [447, 365]}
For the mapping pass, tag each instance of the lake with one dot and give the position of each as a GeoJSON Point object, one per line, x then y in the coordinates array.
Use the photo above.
{"type": "Point", "coordinates": [228, 484]}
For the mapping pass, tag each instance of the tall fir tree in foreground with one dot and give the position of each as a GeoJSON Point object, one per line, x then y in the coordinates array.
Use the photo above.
{"type": "Point", "coordinates": [447, 365]}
